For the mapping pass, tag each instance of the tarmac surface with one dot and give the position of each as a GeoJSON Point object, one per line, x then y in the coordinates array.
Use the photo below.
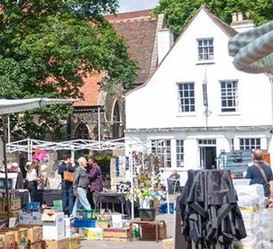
{"type": "Point", "coordinates": [139, 244]}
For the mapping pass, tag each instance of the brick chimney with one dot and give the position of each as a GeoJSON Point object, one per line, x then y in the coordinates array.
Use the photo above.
{"type": "Point", "coordinates": [241, 22]}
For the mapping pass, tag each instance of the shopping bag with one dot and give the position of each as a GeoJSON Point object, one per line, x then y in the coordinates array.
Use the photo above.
{"type": "Point", "coordinates": [68, 176]}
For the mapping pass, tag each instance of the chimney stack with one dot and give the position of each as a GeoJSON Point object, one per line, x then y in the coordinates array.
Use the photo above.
{"type": "Point", "coordinates": [165, 42]}
{"type": "Point", "coordinates": [241, 22]}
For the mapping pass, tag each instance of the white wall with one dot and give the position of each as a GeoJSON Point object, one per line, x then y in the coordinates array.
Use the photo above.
{"type": "Point", "coordinates": [155, 105]}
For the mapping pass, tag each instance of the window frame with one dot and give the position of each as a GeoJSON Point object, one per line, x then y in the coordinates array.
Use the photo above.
{"type": "Point", "coordinates": [163, 147]}
{"type": "Point", "coordinates": [205, 51]}
{"type": "Point", "coordinates": [186, 97]}
{"type": "Point", "coordinates": [250, 143]}
{"type": "Point", "coordinates": [179, 153]}
{"type": "Point", "coordinates": [229, 96]}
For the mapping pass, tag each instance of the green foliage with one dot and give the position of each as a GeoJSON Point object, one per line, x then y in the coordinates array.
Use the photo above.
{"type": "Point", "coordinates": [104, 160]}
{"type": "Point", "coordinates": [180, 12]}
{"type": "Point", "coordinates": [48, 46]}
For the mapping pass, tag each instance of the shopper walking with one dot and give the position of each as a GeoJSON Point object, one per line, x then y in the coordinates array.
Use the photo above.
{"type": "Point", "coordinates": [68, 197]}
{"type": "Point", "coordinates": [95, 177]}
{"type": "Point", "coordinates": [80, 185]}
{"type": "Point", "coordinates": [260, 173]}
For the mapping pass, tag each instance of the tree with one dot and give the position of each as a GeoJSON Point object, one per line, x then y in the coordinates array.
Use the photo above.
{"type": "Point", "coordinates": [179, 12]}
{"type": "Point", "coordinates": [48, 46]}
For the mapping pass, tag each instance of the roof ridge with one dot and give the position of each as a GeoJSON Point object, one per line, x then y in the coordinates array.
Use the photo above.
{"type": "Point", "coordinates": [137, 19]}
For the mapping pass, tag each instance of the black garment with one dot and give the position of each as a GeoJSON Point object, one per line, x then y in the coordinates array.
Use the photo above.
{"type": "Point", "coordinates": [19, 180]}
{"type": "Point", "coordinates": [209, 210]}
{"type": "Point", "coordinates": [32, 188]}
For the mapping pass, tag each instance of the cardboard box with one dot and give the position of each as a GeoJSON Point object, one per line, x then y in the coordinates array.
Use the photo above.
{"type": "Point", "coordinates": [75, 241]}
{"type": "Point", "coordinates": [15, 204]}
{"type": "Point", "coordinates": [30, 218]}
{"type": "Point", "coordinates": [53, 225]}
{"type": "Point", "coordinates": [56, 244]}
{"type": "Point", "coordinates": [91, 233]}
{"type": "Point", "coordinates": [19, 233]}
{"type": "Point", "coordinates": [117, 234]}
{"type": "Point", "coordinates": [35, 233]}
{"type": "Point", "coordinates": [167, 243]}
{"type": "Point", "coordinates": [36, 245]}
{"type": "Point", "coordinates": [103, 223]}
{"type": "Point", "coordinates": [8, 239]}
{"type": "Point", "coordinates": [1, 241]}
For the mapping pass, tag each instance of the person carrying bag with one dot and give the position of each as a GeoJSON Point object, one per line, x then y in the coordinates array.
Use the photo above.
{"type": "Point", "coordinates": [66, 169]}
{"type": "Point", "coordinates": [260, 173]}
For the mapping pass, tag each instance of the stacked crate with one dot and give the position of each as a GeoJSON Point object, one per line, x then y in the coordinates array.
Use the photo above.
{"type": "Point", "coordinates": [117, 234]}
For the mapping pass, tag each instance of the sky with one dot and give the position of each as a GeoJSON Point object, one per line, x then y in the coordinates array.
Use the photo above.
{"type": "Point", "coordinates": [134, 5]}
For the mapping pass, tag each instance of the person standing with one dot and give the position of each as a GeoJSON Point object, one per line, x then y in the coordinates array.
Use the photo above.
{"type": "Point", "coordinates": [80, 185]}
{"type": "Point", "coordinates": [67, 186]}
{"type": "Point", "coordinates": [32, 179]}
{"type": "Point", "coordinates": [95, 177]}
{"type": "Point", "coordinates": [260, 173]}
{"type": "Point", "coordinates": [174, 182]}
{"type": "Point", "coordinates": [19, 180]}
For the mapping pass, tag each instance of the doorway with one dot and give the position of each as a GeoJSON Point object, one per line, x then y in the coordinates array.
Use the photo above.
{"type": "Point", "coordinates": [207, 155]}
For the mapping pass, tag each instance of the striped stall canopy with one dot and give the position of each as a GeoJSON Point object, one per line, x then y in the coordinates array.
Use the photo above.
{"type": "Point", "coordinates": [20, 105]}
{"type": "Point", "coordinates": [253, 49]}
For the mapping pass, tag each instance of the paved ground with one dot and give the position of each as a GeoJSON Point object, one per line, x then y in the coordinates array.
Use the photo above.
{"type": "Point", "coordinates": [138, 244]}
{"type": "Point", "coordinates": [135, 244]}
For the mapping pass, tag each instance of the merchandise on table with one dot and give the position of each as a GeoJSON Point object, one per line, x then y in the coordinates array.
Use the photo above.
{"type": "Point", "coordinates": [91, 233]}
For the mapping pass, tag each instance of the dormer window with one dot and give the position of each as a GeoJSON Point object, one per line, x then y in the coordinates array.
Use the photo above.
{"type": "Point", "coordinates": [205, 49]}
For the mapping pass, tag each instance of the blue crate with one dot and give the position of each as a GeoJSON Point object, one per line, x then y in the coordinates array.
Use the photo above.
{"type": "Point", "coordinates": [84, 223]}
{"type": "Point", "coordinates": [163, 208]}
{"type": "Point", "coordinates": [32, 206]}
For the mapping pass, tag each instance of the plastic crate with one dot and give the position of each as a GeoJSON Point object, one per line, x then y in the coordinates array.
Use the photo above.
{"type": "Point", "coordinates": [85, 213]}
{"type": "Point", "coordinates": [163, 209]}
{"type": "Point", "coordinates": [84, 223]}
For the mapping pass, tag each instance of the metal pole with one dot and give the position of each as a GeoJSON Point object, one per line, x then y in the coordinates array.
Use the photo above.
{"type": "Point", "coordinates": [8, 128]}
{"type": "Point", "coordinates": [4, 122]}
{"type": "Point", "coordinates": [99, 133]}
{"type": "Point", "coordinates": [132, 182]}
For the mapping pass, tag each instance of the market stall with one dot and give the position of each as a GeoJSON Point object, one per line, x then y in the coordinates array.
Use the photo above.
{"type": "Point", "coordinates": [15, 106]}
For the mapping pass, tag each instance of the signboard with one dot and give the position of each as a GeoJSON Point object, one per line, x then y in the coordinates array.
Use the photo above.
{"type": "Point", "coordinates": [205, 95]}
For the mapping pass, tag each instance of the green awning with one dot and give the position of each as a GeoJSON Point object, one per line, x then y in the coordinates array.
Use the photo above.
{"type": "Point", "coordinates": [253, 49]}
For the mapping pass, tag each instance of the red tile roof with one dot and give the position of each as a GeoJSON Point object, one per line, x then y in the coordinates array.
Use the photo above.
{"type": "Point", "coordinates": [139, 31]}
{"type": "Point", "coordinates": [90, 91]}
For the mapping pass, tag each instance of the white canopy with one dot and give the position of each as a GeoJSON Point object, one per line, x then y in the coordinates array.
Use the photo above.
{"type": "Point", "coordinates": [8, 106]}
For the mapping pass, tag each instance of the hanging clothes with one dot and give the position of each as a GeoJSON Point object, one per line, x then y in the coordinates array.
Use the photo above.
{"type": "Point", "coordinates": [209, 210]}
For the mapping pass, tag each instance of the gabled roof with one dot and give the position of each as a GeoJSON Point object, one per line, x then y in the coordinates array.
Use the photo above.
{"type": "Point", "coordinates": [230, 32]}
{"type": "Point", "coordinates": [222, 25]}
{"type": "Point", "coordinates": [139, 32]}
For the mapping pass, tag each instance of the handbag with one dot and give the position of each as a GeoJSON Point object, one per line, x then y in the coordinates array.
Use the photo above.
{"type": "Point", "coordinates": [68, 176]}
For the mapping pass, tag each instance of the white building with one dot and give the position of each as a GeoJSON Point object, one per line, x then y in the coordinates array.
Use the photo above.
{"type": "Point", "coordinates": [197, 104]}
